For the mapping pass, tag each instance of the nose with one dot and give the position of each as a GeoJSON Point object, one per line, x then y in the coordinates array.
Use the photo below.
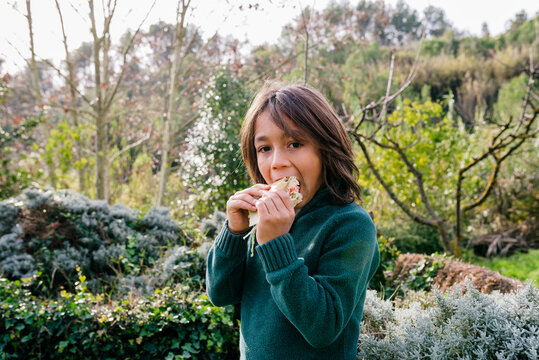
{"type": "Point", "coordinates": [279, 159]}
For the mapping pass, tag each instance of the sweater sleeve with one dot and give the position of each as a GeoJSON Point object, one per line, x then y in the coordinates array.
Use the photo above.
{"type": "Point", "coordinates": [225, 268]}
{"type": "Point", "coordinates": [321, 305]}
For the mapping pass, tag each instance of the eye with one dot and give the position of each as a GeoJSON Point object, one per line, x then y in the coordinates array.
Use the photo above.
{"type": "Point", "coordinates": [263, 149]}
{"type": "Point", "coordinates": [295, 145]}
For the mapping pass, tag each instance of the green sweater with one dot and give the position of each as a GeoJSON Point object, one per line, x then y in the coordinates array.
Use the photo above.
{"type": "Point", "coordinates": [302, 293]}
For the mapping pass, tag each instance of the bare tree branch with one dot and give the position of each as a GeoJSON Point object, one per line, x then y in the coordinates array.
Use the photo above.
{"type": "Point", "coordinates": [417, 217]}
{"type": "Point", "coordinates": [124, 57]}
{"type": "Point", "coordinates": [69, 81]}
{"type": "Point", "coordinates": [388, 88]}
{"type": "Point", "coordinates": [144, 138]}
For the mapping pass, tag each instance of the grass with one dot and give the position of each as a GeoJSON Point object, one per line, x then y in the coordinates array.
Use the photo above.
{"type": "Point", "coordinates": [522, 266]}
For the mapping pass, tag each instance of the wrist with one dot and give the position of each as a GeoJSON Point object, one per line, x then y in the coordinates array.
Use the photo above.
{"type": "Point", "coordinates": [236, 232]}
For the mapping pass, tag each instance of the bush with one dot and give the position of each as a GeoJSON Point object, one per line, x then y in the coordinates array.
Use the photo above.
{"type": "Point", "coordinates": [412, 237]}
{"type": "Point", "coordinates": [212, 165]}
{"type": "Point", "coordinates": [388, 256]}
{"type": "Point", "coordinates": [460, 324]}
{"type": "Point", "coordinates": [54, 233]}
{"type": "Point", "coordinates": [172, 323]}
{"type": "Point", "coordinates": [15, 141]}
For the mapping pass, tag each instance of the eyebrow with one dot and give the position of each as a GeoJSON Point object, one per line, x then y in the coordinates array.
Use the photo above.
{"type": "Point", "coordinates": [261, 138]}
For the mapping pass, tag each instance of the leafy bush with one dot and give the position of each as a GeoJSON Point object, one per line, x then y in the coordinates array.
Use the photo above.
{"type": "Point", "coordinates": [422, 276]}
{"type": "Point", "coordinates": [54, 233]}
{"type": "Point", "coordinates": [460, 324]}
{"type": "Point", "coordinates": [413, 237]}
{"type": "Point", "coordinates": [172, 323]}
{"type": "Point", "coordinates": [14, 176]}
{"type": "Point", "coordinates": [388, 256]}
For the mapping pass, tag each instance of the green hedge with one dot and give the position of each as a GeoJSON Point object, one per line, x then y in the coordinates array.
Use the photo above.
{"type": "Point", "coordinates": [173, 323]}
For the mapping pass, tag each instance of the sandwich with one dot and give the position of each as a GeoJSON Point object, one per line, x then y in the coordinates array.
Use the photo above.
{"type": "Point", "coordinates": [289, 184]}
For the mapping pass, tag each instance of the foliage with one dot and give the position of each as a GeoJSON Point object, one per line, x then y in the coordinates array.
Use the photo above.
{"type": "Point", "coordinates": [171, 323]}
{"type": "Point", "coordinates": [51, 234]}
{"type": "Point", "coordinates": [137, 190]}
{"type": "Point", "coordinates": [213, 166]}
{"type": "Point", "coordinates": [411, 237]}
{"type": "Point", "coordinates": [212, 226]}
{"type": "Point", "coordinates": [433, 144]}
{"type": "Point", "coordinates": [421, 277]}
{"type": "Point", "coordinates": [388, 256]}
{"type": "Point", "coordinates": [460, 324]}
{"type": "Point", "coordinates": [523, 266]}
{"type": "Point", "coordinates": [522, 30]}
{"type": "Point", "coordinates": [13, 138]}
{"type": "Point", "coordinates": [59, 152]}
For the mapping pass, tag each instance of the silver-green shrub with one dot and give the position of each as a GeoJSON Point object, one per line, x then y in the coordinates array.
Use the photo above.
{"type": "Point", "coordinates": [14, 262]}
{"type": "Point", "coordinates": [8, 214]}
{"type": "Point", "coordinates": [43, 232]}
{"type": "Point", "coordinates": [212, 226]}
{"type": "Point", "coordinates": [460, 324]}
{"type": "Point", "coordinates": [66, 260]}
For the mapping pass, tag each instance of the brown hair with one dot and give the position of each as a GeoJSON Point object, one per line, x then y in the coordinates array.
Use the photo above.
{"type": "Point", "coordinates": [311, 113]}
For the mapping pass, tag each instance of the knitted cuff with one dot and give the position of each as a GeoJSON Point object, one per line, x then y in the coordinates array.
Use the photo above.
{"type": "Point", "coordinates": [277, 253]}
{"type": "Point", "coordinates": [230, 244]}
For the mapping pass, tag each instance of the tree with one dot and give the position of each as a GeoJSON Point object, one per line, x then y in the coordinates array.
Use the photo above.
{"type": "Point", "coordinates": [179, 38]}
{"type": "Point", "coordinates": [405, 22]}
{"type": "Point", "coordinates": [106, 88]}
{"type": "Point", "coordinates": [36, 87]}
{"type": "Point", "coordinates": [435, 21]}
{"type": "Point", "coordinates": [485, 32]}
{"type": "Point", "coordinates": [72, 107]}
{"type": "Point", "coordinates": [192, 59]}
{"type": "Point", "coordinates": [424, 160]}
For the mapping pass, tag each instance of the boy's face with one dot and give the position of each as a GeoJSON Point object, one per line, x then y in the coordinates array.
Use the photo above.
{"type": "Point", "coordinates": [278, 155]}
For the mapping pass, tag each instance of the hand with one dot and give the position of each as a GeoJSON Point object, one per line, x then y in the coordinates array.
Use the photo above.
{"type": "Point", "coordinates": [239, 204]}
{"type": "Point", "coordinates": [275, 215]}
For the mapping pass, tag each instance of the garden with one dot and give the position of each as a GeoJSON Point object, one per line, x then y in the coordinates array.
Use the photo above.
{"type": "Point", "coordinates": [116, 165]}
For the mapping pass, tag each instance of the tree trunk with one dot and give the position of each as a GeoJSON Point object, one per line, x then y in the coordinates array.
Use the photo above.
{"type": "Point", "coordinates": [33, 66]}
{"type": "Point", "coordinates": [179, 35]}
{"type": "Point", "coordinates": [101, 124]}
{"type": "Point", "coordinates": [73, 111]}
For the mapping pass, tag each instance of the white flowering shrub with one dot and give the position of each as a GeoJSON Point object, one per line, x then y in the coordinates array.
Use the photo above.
{"type": "Point", "coordinates": [212, 164]}
{"type": "Point", "coordinates": [55, 234]}
{"type": "Point", "coordinates": [462, 323]}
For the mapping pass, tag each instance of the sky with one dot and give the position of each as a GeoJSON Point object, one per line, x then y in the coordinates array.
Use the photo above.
{"type": "Point", "coordinates": [259, 25]}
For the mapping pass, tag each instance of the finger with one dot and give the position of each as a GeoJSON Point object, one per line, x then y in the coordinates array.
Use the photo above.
{"type": "Point", "coordinates": [283, 199]}
{"type": "Point", "coordinates": [255, 191]}
{"type": "Point", "coordinates": [271, 204]}
{"type": "Point", "coordinates": [262, 209]}
{"type": "Point", "coordinates": [245, 197]}
{"type": "Point", "coordinates": [235, 205]}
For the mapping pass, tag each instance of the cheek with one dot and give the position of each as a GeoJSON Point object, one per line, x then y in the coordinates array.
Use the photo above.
{"type": "Point", "coordinates": [263, 168]}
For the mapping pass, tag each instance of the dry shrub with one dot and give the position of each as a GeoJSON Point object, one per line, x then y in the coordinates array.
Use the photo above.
{"type": "Point", "coordinates": [39, 223]}
{"type": "Point", "coordinates": [455, 272]}
{"type": "Point", "coordinates": [404, 264]}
